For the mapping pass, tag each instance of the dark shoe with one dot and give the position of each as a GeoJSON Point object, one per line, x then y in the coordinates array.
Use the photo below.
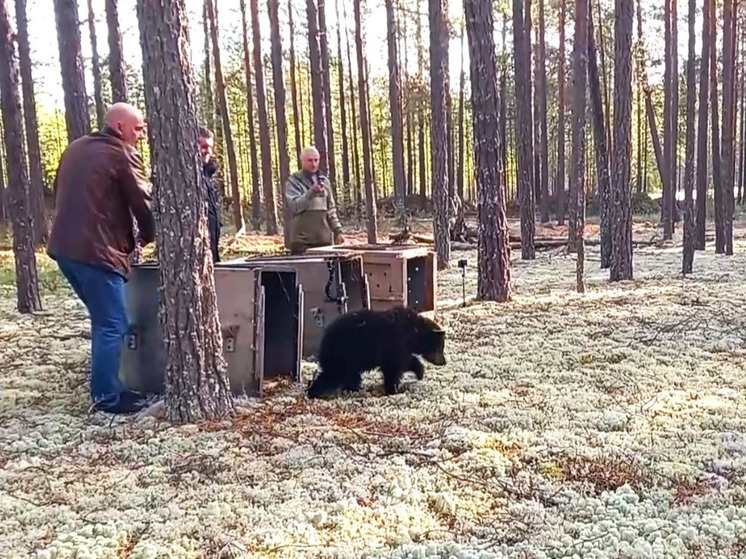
{"type": "Point", "coordinates": [129, 402]}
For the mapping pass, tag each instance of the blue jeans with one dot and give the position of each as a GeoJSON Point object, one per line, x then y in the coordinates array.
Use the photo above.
{"type": "Point", "coordinates": [102, 292]}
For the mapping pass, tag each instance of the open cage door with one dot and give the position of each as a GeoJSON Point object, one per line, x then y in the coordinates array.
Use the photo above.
{"type": "Point", "coordinates": [259, 333]}
{"type": "Point", "coordinates": [300, 313]}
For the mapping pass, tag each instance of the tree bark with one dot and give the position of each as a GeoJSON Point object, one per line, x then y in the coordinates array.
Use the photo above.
{"type": "Point", "coordinates": [370, 199]}
{"type": "Point", "coordinates": [522, 44]}
{"type": "Point", "coordinates": [342, 105]}
{"type": "Point", "coordinates": [729, 70]}
{"type": "Point", "coordinates": [355, 123]}
{"type": "Point", "coordinates": [117, 66]}
{"type": "Point", "coordinates": [670, 118]}
{"type": "Point", "coordinates": [541, 92]}
{"type": "Point", "coordinates": [256, 202]}
{"type": "Point", "coordinates": [601, 148]}
{"type": "Point", "coordinates": [503, 124]}
{"type": "Point", "coordinates": [328, 112]}
{"type": "Point", "coordinates": [225, 116]}
{"type": "Point", "coordinates": [95, 67]}
{"type": "Point", "coordinates": [197, 385]}
{"type": "Point", "coordinates": [297, 125]}
{"type": "Point", "coordinates": [421, 117]}
{"type": "Point", "coordinates": [461, 87]}
{"type": "Point", "coordinates": [280, 119]}
{"type": "Point", "coordinates": [209, 103]}
{"type": "Point", "coordinates": [270, 208]}
{"type": "Point", "coordinates": [317, 87]}
{"type": "Point", "coordinates": [560, 188]}
{"type": "Point", "coordinates": [621, 215]}
{"type": "Point", "coordinates": [688, 255]}
{"type": "Point", "coordinates": [493, 280]}
{"type": "Point", "coordinates": [27, 281]}
{"type": "Point", "coordinates": [397, 133]}
{"type": "Point", "coordinates": [577, 170]}
{"type": "Point", "coordinates": [715, 129]}
{"type": "Point", "coordinates": [71, 64]}
{"type": "Point", "coordinates": [439, 130]}
{"type": "Point", "coordinates": [704, 82]}
{"type": "Point", "coordinates": [36, 175]}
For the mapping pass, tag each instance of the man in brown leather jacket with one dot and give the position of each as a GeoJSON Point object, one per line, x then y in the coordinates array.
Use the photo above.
{"type": "Point", "coordinates": [100, 184]}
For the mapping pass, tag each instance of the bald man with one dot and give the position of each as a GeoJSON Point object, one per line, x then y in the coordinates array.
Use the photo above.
{"type": "Point", "coordinates": [309, 197]}
{"type": "Point", "coordinates": [100, 185]}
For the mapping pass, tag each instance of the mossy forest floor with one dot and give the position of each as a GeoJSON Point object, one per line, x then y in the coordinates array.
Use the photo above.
{"type": "Point", "coordinates": [604, 425]}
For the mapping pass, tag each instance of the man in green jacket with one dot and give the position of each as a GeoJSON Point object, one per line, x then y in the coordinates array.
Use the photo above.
{"type": "Point", "coordinates": [311, 203]}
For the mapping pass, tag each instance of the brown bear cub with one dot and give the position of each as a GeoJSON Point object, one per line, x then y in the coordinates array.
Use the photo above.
{"type": "Point", "coordinates": [364, 340]}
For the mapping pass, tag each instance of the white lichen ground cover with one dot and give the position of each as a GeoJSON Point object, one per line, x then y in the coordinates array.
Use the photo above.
{"type": "Point", "coordinates": [611, 424]}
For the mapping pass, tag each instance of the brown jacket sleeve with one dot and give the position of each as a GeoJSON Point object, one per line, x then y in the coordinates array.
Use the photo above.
{"type": "Point", "coordinates": [138, 193]}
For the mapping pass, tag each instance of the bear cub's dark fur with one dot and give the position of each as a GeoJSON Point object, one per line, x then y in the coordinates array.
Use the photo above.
{"type": "Point", "coordinates": [364, 340]}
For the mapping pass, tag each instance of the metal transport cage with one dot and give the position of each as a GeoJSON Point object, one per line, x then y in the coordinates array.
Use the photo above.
{"type": "Point", "coordinates": [257, 344]}
{"type": "Point", "coordinates": [334, 283]}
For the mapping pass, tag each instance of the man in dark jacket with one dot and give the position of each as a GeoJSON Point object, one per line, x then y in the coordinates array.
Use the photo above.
{"type": "Point", "coordinates": [212, 193]}
{"type": "Point", "coordinates": [100, 185]}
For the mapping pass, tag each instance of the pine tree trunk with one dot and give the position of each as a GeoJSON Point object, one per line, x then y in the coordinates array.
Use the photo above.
{"type": "Point", "coordinates": [688, 256]}
{"type": "Point", "coordinates": [369, 130]}
{"type": "Point", "coordinates": [493, 280]}
{"type": "Point", "coordinates": [421, 113]}
{"type": "Point", "coordinates": [503, 124]}
{"type": "Point", "coordinates": [670, 124]}
{"type": "Point", "coordinates": [370, 199]}
{"type": "Point", "coordinates": [560, 188]}
{"type": "Point", "coordinates": [197, 385]}
{"type": "Point", "coordinates": [621, 215]}
{"type": "Point", "coordinates": [522, 45]}
{"type": "Point", "coordinates": [715, 129]}
{"type": "Point", "coordinates": [117, 67]}
{"type": "Point", "coordinates": [541, 91]}
{"type": "Point", "coordinates": [577, 170]}
{"type": "Point", "coordinates": [397, 134]}
{"type": "Point", "coordinates": [317, 87]}
{"type": "Point", "coordinates": [209, 103]}
{"type": "Point", "coordinates": [95, 67]}
{"type": "Point", "coordinates": [27, 281]}
{"type": "Point", "coordinates": [355, 123]}
{"type": "Point", "coordinates": [3, 194]}
{"type": "Point", "coordinates": [660, 162]}
{"type": "Point", "coordinates": [36, 175]}
{"type": "Point", "coordinates": [421, 158]}
{"type": "Point", "coordinates": [297, 125]}
{"type": "Point", "coordinates": [461, 87]}
{"type": "Point", "coordinates": [270, 208]}
{"type": "Point", "coordinates": [328, 111]}
{"type": "Point", "coordinates": [600, 146]}
{"type": "Point", "coordinates": [225, 115]}
{"type": "Point", "coordinates": [439, 130]}
{"type": "Point", "coordinates": [729, 105]}
{"type": "Point", "coordinates": [256, 202]}
{"type": "Point", "coordinates": [281, 121]}
{"type": "Point", "coordinates": [407, 100]}
{"type": "Point", "coordinates": [71, 64]}
{"type": "Point", "coordinates": [742, 131]}
{"type": "Point", "coordinates": [342, 106]}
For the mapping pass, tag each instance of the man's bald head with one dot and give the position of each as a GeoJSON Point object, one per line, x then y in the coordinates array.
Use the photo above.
{"type": "Point", "coordinates": [309, 158]}
{"type": "Point", "coordinates": [128, 121]}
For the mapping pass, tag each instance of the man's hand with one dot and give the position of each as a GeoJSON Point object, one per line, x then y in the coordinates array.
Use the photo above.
{"type": "Point", "coordinates": [339, 238]}
{"type": "Point", "coordinates": [318, 189]}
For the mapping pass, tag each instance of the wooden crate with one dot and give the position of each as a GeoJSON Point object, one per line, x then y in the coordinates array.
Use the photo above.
{"type": "Point", "coordinates": [334, 283]}
{"type": "Point", "coordinates": [257, 344]}
{"type": "Point", "coordinates": [403, 275]}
